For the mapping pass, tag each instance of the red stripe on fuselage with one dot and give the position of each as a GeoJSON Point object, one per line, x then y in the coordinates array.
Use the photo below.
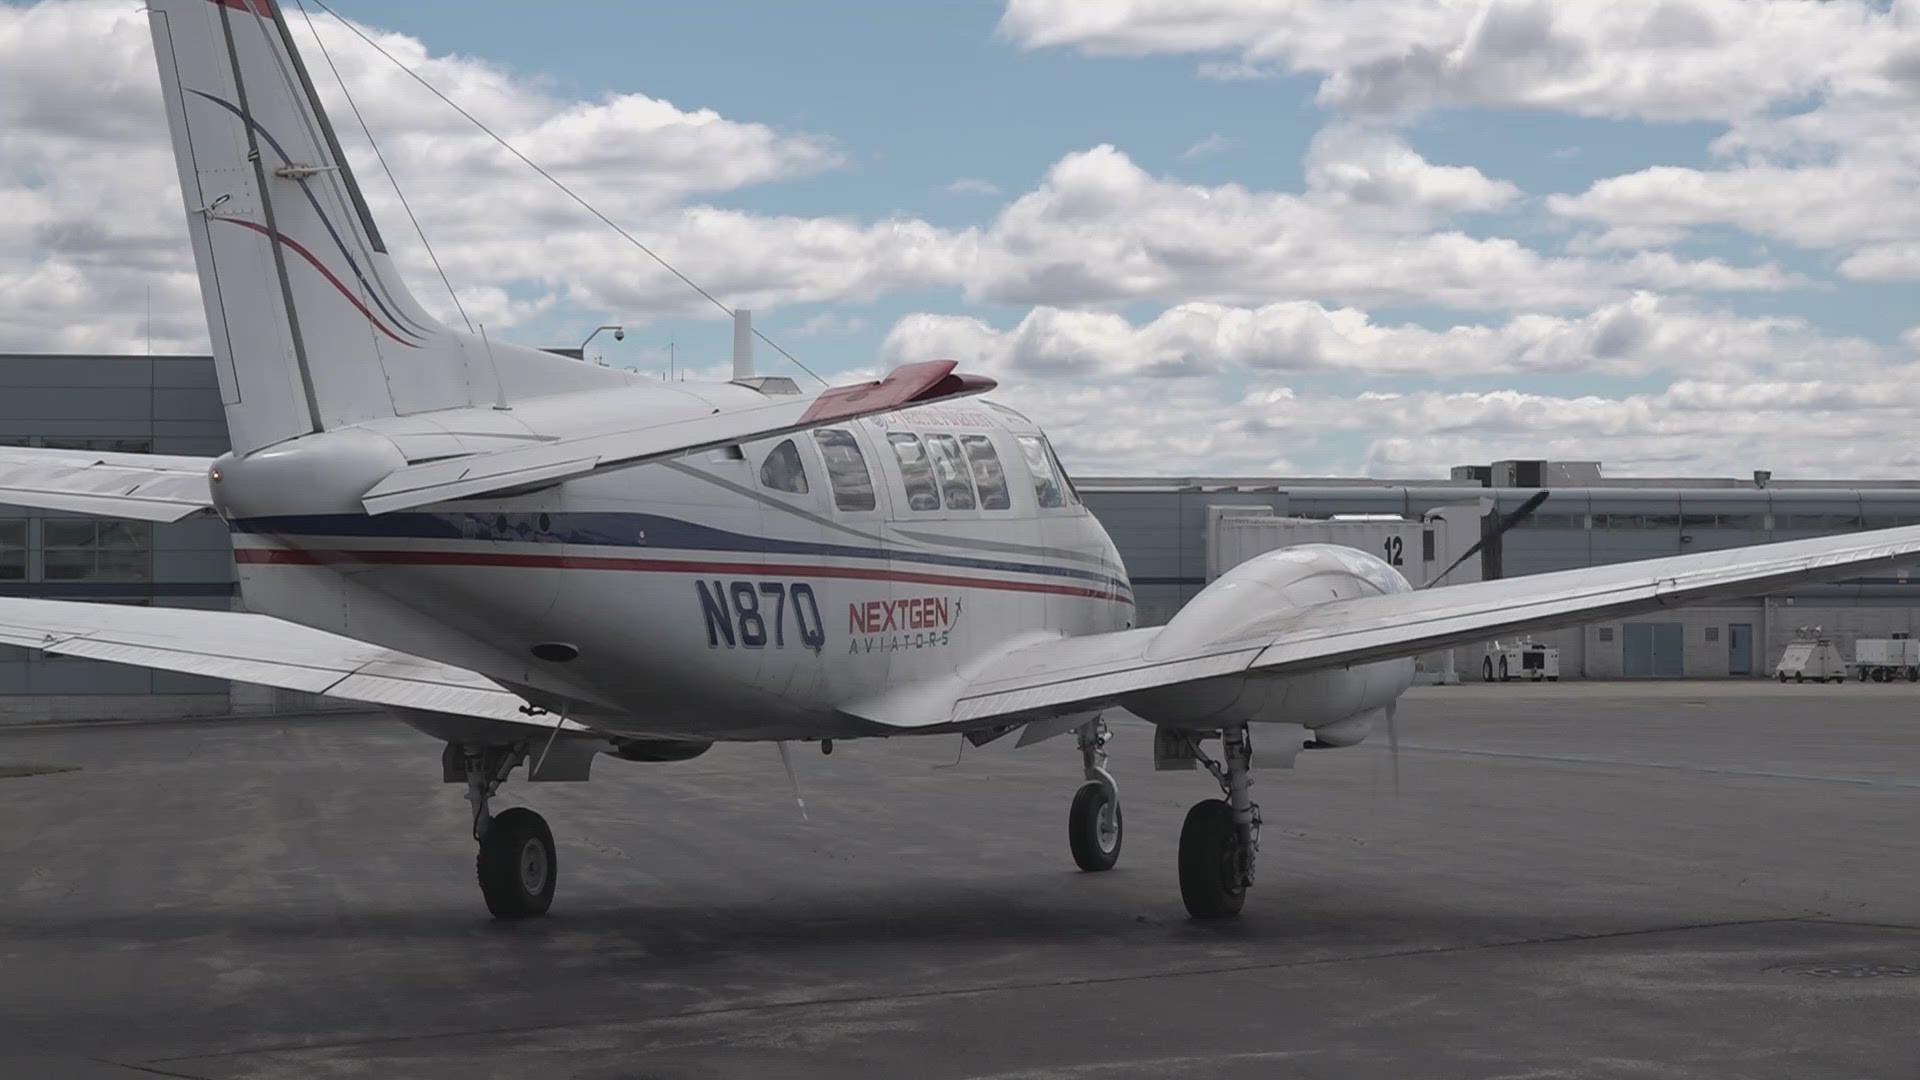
{"type": "Point", "coordinates": [324, 557]}
{"type": "Point", "coordinates": [255, 7]}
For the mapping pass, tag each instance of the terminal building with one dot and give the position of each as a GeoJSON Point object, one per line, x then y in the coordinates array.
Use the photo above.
{"type": "Point", "coordinates": [1162, 525]}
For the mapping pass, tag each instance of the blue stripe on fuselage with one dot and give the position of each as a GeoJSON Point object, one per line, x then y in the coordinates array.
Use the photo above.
{"type": "Point", "coordinates": [622, 530]}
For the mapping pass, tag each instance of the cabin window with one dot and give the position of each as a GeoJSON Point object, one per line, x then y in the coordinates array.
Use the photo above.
{"type": "Point", "coordinates": [1046, 485]}
{"type": "Point", "coordinates": [956, 489]}
{"type": "Point", "coordinates": [846, 469]}
{"type": "Point", "coordinates": [988, 476]}
{"type": "Point", "coordinates": [915, 471]}
{"type": "Point", "coordinates": [782, 471]}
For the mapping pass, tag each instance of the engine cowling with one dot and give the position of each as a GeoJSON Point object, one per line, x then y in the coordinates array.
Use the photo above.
{"type": "Point", "coordinates": [1263, 596]}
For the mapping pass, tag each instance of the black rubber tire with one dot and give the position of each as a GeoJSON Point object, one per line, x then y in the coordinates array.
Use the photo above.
{"type": "Point", "coordinates": [1780, 675]}
{"type": "Point", "coordinates": [1553, 678]}
{"type": "Point", "coordinates": [512, 890]}
{"type": "Point", "coordinates": [1083, 828]}
{"type": "Point", "coordinates": [1799, 678]}
{"type": "Point", "coordinates": [1913, 674]}
{"type": "Point", "coordinates": [1209, 850]}
{"type": "Point", "coordinates": [1486, 670]}
{"type": "Point", "coordinates": [1504, 676]}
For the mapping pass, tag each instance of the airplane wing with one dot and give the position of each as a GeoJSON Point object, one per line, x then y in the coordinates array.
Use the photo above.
{"type": "Point", "coordinates": [145, 487]}
{"type": "Point", "coordinates": [478, 474]}
{"type": "Point", "coordinates": [264, 650]}
{"type": "Point", "coordinates": [1044, 679]}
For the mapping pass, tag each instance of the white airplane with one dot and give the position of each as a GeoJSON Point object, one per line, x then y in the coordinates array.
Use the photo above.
{"type": "Point", "coordinates": [539, 560]}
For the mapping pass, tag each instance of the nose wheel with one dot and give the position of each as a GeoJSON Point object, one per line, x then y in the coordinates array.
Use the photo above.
{"type": "Point", "coordinates": [1093, 822]}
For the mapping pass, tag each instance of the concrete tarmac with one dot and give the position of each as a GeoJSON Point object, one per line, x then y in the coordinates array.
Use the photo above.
{"type": "Point", "coordinates": [1575, 880]}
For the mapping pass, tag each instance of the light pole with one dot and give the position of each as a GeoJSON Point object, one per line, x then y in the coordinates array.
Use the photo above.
{"type": "Point", "coordinates": [619, 334]}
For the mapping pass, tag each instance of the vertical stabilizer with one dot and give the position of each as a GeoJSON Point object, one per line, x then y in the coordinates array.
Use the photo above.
{"type": "Point", "coordinates": [311, 326]}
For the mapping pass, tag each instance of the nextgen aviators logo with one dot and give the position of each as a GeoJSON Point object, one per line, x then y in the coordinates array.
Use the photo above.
{"type": "Point", "coordinates": [915, 622]}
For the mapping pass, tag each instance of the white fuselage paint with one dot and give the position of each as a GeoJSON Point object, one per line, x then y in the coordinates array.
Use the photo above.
{"type": "Point", "coordinates": [702, 603]}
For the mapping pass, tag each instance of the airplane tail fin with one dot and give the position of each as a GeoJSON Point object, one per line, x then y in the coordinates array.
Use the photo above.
{"type": "Point", "coordinates": [311, 326]}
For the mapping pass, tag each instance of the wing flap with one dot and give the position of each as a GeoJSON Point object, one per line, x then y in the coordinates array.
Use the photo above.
{"type": "Point", "coordinates": [263, 650]}
{"type": "Point", "coordinates": [144, 487]}
{"type": "Point", "coordinates": [479, 474]}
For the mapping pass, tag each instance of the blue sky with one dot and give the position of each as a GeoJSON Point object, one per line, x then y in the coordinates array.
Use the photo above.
{"type": "Point", "coordinates": [1243, 237]}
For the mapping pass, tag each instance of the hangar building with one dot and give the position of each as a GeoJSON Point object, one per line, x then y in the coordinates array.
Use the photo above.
{"type": "Point", "coordinates": [171, 404]}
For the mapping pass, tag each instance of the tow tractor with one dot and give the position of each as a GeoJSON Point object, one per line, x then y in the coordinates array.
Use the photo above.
{"type": "Point", "coordinates": [1524, 659]}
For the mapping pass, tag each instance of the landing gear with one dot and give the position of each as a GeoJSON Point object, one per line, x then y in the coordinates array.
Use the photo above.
{"type": "Point", "coordinates": [1221, 836]}
{"type": "Point", "coordinates": [517, 864]}
{"type": "Point", "coordinates": [1093, 824]}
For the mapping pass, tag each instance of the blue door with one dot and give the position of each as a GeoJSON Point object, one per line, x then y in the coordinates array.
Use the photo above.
{"type": "Point", "coordinates": [1652, 650]}
{"type": "Point", "coordinates": [1636, 650]}
{"type": "Point", "coordinates": [1740, 649]}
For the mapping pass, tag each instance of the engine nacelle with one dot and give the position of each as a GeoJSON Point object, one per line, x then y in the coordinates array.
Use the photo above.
{"type": "Point", "coordinates": [1262, 596]}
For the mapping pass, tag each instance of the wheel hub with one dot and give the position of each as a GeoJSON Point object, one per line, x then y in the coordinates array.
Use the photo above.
{"type": "Point", "coordinates": [1109, 827]}
{"type": "Point", "coordinates": [533, 865]}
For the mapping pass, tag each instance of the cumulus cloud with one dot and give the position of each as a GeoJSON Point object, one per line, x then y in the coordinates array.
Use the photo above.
{"type": "Point", "coordinates": [1640, 335]}
{"type": "Point", "coordinates": [1369, 229]}
{"type": "Point", "coordinates": [1654, 59]}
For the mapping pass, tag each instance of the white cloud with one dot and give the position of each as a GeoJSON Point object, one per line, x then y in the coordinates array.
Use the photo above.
{"type": "Point", "coordinates": [973, 186]}
{"type": "Point", "coordinates": [1369, 229]}
{"type": "Point", "coordinates": [1641, 335]}
{"type": "Point", "coordinates": [829, 324]}
{"type": "Point", "coordinates": [1657, 59]}
{"type": "Point", "coordinates": [1208, 146]}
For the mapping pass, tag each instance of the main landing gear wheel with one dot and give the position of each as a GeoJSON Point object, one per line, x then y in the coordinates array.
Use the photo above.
{"type": "Point", "coordinates": [1093, 827]}
{"type": "Point", "coordinates": [1210, 862]}
{"type": "Point", "coordinates": [1093, 823]}
{"type": "Point", "coordinates": [517, 866]}
{"type": "Point", "coordinates": [1221, 837]}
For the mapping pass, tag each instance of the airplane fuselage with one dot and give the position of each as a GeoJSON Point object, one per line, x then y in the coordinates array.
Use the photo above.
{"type": "Point", "coordinates": [757, 591]}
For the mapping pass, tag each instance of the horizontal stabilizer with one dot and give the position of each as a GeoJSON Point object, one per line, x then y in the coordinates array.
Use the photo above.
{"type": "Point", "coordinates": [143, 487]}
{"type": "Point", "coordinates": [503, 470]}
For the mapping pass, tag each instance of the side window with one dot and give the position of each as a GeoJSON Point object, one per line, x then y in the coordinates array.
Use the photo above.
{"type": "Point", "coordinates": [915, 471]}
{"type": "Point", "coordinates": [951, 469]}
{"type": "Point", "coordinates": [1073, 493]}
{"type": "Point", "coordinates": [846, 469]}
{"type": "Point", "coordinates": [782, 470]}
{"type": "Point", "coordinates": [988, 476]}
{"type": "Point", "coordinates": [1046, 485]}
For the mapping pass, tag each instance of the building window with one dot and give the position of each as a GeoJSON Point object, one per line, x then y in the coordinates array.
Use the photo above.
{"type": "Point", "coordinates": [1713, 634]}
{"type": "Point", "coordinates": [1606, 635]}
{"type": "Point", "coordinates": [1426, 545]}
{"type": "Point", "coordinates": [916, 472]}
{"type": "Point", "coordinates": [956, 489]}
{"type": "Point", "coordinates": [13, 550]}
{"type": "Point", "coordinates": [1046, 486]}
{"type": "Point", "coordinates": [782, 471]}
{"type": "Point", "coordinates": [99, 446]}
{"type": "Point", "coordinates": [988, 476]}
{"type": "Point", "coordinates": [96, 550]}
{"type": "Point", "coordinates": [846, 469]}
